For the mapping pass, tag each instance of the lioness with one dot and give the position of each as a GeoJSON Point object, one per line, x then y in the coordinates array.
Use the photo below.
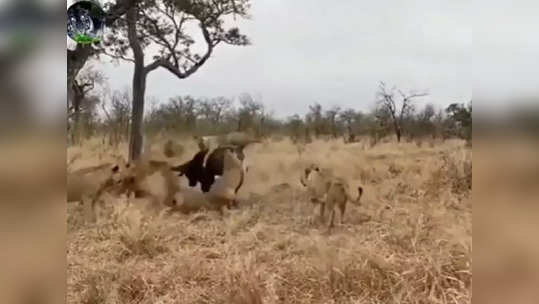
{"type": "Point", "coordinates": [86, 185]}
{"type": "Point", "coordinates": [327, 189]}
{"type": "Point", "coordinates": [149, 179]}
{"type": "Point", "coordinates": [241, 139]}
{"type": "Point", "coordinates": [225, 188]}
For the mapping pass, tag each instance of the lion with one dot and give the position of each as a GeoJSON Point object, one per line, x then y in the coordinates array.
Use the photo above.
{"type": "Point", "coordinates": [150, 179]}
{"type": "Point", "coordinates": [157, 182]}
{"type": "Point", "coordinates": [328, 191]}
{"type": "Point", "coordinates": [240, 139]}
{"type": "Point", "coordinates": [86, 185]}
{"type": "Point", "coordinates": [225, 188]}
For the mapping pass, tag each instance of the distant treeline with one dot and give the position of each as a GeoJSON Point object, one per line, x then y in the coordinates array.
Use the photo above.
{"type": "Point", "coordinates": [110, 116]}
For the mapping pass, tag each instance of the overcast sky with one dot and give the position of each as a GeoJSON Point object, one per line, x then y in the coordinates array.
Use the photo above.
{"type": "Point", "coordinates": [334, 53]}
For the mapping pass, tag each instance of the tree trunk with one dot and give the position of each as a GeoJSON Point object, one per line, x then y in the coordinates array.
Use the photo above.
{"type": "Point", "coordinates": [351, 135]}
{"type": "Point", "coordinates": [76, 101]}
{"type": "Point", "coordinates": [217, 117]}
{"type": "Point", "coordinates": [139, 88]}
{"type": "Point", "coordinates": [76, 120]}
{"type": "Point", "coordinates": [76, 60]}
{"type": "Point", "coordinates": [135, 139]}
{"type": "Point", "coordinates": [397, 128]}
{"type": "Point", "coordinates": [261, 131]}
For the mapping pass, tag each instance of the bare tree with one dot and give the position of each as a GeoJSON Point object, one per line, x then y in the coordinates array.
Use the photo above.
{"type": "Point", "coordinates": [182, 110]}
{"type": "Point", "coordinates": [81, 100]}
{"type": "Point", "coordinates": [425, 121]}
{"type": "Point", "coordinates": [296, 126]}
{"type": "Point", "coordinates": [220, 106]}
{"type": "Point", "coordinates": [249, 111]}
{"type": "Point", "coordinates": [397, 110]}
{"type": "Point", "coordinates": [314, 119]}
{"type": "Point", "coordinates": [439, 122]}
{"type": "Point", "coordinates": [351, 120]}
{"type": "Point", "coordinates": [331, 117]}
{"type": "Point", "coordinates": [163, 25]}
{"type": "Point", "coordinates": [86, 81]}
{"type": "Point", "coordinates": [427, 113]}
{"type": "Point", "coordinates": [117, 112]}
{"type": "Point", "coordinates": [205, 109]}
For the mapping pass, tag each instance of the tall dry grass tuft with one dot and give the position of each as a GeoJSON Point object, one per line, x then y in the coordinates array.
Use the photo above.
{"type": "Point", "coordinates": [246, 284]}
{"type": "Point", "coordinates": [454, 172]}
{"type": "Point", "coordinates": [94, 290]}
{"type": "Point", "coordinates": [132, 289]}
{"type": "Point", "coordinates": [137, 234]}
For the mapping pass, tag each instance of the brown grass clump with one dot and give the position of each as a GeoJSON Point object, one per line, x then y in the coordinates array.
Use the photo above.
{"type": "Point", "coordinates": [409, 241]}
{"type": "Point", "coordinates": [137, 235]}
{"type": "Point", "coordinates": [93, 290]}
{"type": "Point", "coordinates": [394, 169]}
{"type": "Point", "coordinates": [454, 172]}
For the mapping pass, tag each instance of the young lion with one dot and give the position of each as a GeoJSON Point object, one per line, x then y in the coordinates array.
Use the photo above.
{"type": "Point", "coordinates": [326, 189]}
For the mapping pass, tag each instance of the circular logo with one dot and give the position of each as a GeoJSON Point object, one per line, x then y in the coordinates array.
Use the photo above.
{"type": "Point", "coordinates": [85, 22]}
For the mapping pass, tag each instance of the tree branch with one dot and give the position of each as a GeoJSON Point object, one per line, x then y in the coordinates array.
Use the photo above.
{"type": "Point", "coordinates": [117, 10]}
{"type": "Point", "coordinates": [132, 34]}
{"type": "Point", "coordinates": [412, 95]}
{"type": "Point", "coordinates": [165, 62]}
{"type": "Point", "coordinates": [158, 33]}
{"type": "Point", "coordinates": [177, 26]}
{"type": "Point", "coordinates": [116, 56]}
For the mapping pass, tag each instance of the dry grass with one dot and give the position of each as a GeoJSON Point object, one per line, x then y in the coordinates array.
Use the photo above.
{"type": "Point", "coordinates": [410, 242]}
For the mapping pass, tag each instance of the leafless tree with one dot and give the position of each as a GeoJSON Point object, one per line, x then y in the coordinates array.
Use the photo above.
{"type": "Point", "coordinates": [427, 113]}
{"type": "Point", "coordinates": [397, 105]}
{"type": "Point", "coordinates": [117, 113]}
{"type": "Point", "coordinates": [351, 120]}
{"type": "Point", "coordinates": [331, 118]}
{"type": "Point", "coordinates": [220, 106]}
{"type": "Point", "coordinates": [86, 81]}
{"type": "Point", "coordinates": [163, 24]}
{"type": "Point", "coordinates": [314, 119]}
{"type": "Point", "coordinates": [296, 126]}
{"type": "Point", "coordinates": [250, 111]}
{"type": "Point", "coordinates": [82, 101]}
{"type": "Point", "coordinates": [205, 109]}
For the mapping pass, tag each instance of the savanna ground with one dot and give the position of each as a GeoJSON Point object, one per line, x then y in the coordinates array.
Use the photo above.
{"type": "Point", "coordinates": [409, 242]}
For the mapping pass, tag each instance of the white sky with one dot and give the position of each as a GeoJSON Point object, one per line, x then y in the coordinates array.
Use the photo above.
{"type": "Point", "coordinates": [335, 53]}
{"type": "Point", "coordinates": [506, 51]}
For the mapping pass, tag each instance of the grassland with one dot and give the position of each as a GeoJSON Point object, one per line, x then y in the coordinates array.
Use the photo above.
{"type": "Point", "coordinates": [409, 242]}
